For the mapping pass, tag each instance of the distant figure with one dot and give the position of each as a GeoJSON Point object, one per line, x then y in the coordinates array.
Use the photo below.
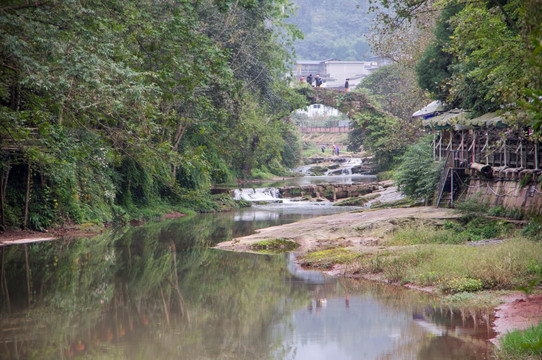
{"type": "Point", "coordinates": [337, 149]}
{"type": "Point", "coordinates": [302, 79]}
{"type": "Point", "coordinates": [318, 80]}
{"type": "Point", "coordinates": [333, 150]}
{"type": "Point", "coordinates": [309, 79]}
{"type": "Point", "coordinates": [323, 148]}
{"type": "Point", "coordinates": [346, 84]}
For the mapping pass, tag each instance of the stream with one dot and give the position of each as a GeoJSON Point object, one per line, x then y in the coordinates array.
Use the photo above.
{"type": "Point", "coordinates": [159, 291]}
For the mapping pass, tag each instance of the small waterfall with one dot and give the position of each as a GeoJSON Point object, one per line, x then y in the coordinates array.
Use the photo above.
{"type": "Point", "coordinates": [305, 169]}
{"type": "Point", "coordinates": [346, 168]}
{"type": "Point", "coordinates": [257, 194]}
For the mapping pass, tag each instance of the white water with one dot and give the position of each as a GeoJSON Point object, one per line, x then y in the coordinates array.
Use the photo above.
{"type": "Point", "coordinates": [344, 169]}
{"type": "Point", "coordinates": [257, 194]}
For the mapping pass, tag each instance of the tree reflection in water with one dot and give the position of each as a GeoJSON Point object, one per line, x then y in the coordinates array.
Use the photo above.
{"type": "Point", "coordinates": [159, 292]}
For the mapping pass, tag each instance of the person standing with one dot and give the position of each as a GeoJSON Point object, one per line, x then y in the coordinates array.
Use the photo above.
{"type": "Point", "coordinates": [346, 84]}
{"type": "Point", "coordinates": [318, 80]}
{"type": "Point", "coordinates": [309, 79]}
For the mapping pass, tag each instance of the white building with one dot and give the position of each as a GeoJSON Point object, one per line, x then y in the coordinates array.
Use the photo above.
{"type": "Point", "coordinates": [319, 110]}
{"type": "Point", "coordinates": [335, 72]}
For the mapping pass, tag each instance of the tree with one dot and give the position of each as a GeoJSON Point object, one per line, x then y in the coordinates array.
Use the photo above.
{"type": "Point", "coordinates": [108, 104]}
{"type": "Point", "coordinates": [418, 175]}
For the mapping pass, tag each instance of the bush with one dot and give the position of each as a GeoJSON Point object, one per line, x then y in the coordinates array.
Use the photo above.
{"type": "Point", "coordinates": [418, 175]}
{"type": "Point", "coordinates": [534, 229]}
{"type": "Point", "coordinates": [459, 284]}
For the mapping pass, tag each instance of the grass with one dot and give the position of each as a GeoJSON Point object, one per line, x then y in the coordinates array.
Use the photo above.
{"type": "Point", "coordinates": [325, 259]}
{"type": "Point", "coordinates": [449, 232]}
{"type": "Point", "coordinates": [458, 268]}
{"type": "Point", "coordinates": [522, 345]}
{"type": "Point", "coordinates": [275, 246]}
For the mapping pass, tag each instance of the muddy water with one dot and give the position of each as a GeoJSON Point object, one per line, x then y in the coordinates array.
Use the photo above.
{"type": "Point", "coordinates": [159, 292]}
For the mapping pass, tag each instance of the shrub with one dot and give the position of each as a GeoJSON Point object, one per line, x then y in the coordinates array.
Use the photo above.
{"type": "Point", "coordinates": [418, 174]}
{"type": "Point", "coordinates": [534, 229]}
{"type": "Point", "coordinates": [459, 284]}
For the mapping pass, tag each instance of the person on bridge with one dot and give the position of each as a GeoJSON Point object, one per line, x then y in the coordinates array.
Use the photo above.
{"type": "Point", "coordinates": [309, 79]}
{"type": "Point", "coordinates": [318, 80]}
{"type": "Point", "coordinates": [346, 84]}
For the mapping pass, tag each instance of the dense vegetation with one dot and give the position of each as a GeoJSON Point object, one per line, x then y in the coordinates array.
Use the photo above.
{"type": "Point", "coordinates": [389, 130]}
{"type": "Point", "coordinates": [110, 107]}
{"type": "Point", "coordinates": [332, 29]}
{"type": "Point", "coordinates": [482, 55]}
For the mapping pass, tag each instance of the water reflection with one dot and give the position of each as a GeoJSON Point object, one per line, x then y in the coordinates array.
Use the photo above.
{"type": "Point", "coordinates": [159, 292]}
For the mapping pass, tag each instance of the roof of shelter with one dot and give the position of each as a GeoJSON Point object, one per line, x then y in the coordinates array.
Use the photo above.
{"type": "Point", "coordinates": [459, 119]}
{"type": "Point", "coordinates": [429, 110]}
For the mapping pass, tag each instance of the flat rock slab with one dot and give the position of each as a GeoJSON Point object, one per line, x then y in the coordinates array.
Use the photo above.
{"type": "Point", "coordinates": [321, 231]}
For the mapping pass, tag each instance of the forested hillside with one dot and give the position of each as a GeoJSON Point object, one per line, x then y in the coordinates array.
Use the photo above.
{"type": "Point", "coordinates": [332, 29]}
{"type": "Point", "coordinates": [111, 107]}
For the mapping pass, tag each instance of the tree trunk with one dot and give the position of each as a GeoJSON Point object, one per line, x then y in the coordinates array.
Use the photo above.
{"type": "Point", "coordinates": [27, 194]}
{"type": "Point", "coordinates": [3, 189]}
{"type": "Point", "coordinates": [27, 274]}
{"type": "Point", "coordinates": [4, 281]}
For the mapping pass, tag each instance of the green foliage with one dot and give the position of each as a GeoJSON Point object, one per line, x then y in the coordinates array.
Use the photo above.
{"type": "Point", "coordinates": [418, 174]}
{"type": "Point", "coordinates": [325, 259]}
{"type": "Point", "coordinates": [432, 69]}
{"type": "Point", "coordinates": [501, 211]}
{"type": "Point", "coordinates": [123, 105]}
{"type": "Point", "coordinates": [534, 229]}
{"type": "Point", "coordinates": [275, 245]}
{"type": "Point", "coordinates": [485, 54]}
{"type": "Point", "coordinates": [380, 134]}
{"type": "Point", "coordinates": [459, 285]}
{"type": "Point", "coordinates": [521, 344]}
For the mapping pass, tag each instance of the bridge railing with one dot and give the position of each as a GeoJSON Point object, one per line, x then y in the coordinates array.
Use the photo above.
{"type": "Point", "coordinates": [322, 129]}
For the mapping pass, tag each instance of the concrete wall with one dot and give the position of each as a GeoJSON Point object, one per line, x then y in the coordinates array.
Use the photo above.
{"type": "Point", "coordinates": [505, 189]}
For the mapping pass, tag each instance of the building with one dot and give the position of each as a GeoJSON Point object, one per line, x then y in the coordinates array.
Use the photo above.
{"type": "Point", "coordinates": [334, 72]}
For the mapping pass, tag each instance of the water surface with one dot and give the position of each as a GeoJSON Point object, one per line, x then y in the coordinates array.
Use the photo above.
{"type": "Point", "coordinates": [160, 292]}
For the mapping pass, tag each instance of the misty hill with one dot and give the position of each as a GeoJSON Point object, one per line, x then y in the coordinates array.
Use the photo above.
{"type": "Point", "coordinates": [333, 29]}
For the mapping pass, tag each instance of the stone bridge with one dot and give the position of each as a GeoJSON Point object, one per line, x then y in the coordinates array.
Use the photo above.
{"type": "Point", "coordinates": [349, 103]}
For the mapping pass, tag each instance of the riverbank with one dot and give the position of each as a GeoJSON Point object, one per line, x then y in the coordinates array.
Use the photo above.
{"type": "Point", "coordinates": [364, 244]}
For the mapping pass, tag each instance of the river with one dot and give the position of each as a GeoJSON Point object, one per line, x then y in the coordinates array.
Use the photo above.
{"type": "Point", "coordinates": [159, 291]}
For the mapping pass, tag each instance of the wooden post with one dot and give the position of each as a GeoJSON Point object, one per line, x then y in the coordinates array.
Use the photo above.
{"type": "Point", "coordinates": [27, 194]}
{"type": "Point", "coordinates": [536, 149]}
{"type": "Point", "coordinates": [521, 154]}
{"type": "Point", "coordinates": [452, 188]}
{"type": "Point", "coordinates": [434, 145]}
{"type": "Point", "coordinates": [505, 154]}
